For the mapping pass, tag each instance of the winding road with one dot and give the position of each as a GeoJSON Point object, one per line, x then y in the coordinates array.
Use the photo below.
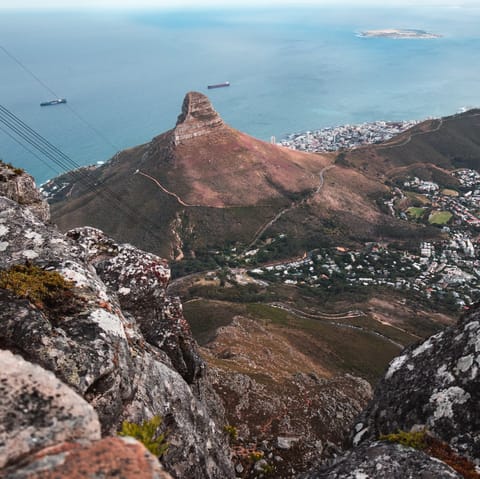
{"type": "Point", "coordinates": [180, 201]}
{"type": "Point", "coordinates": [409, 139]}
{"type": "Point", "coordinates": [333, 320]}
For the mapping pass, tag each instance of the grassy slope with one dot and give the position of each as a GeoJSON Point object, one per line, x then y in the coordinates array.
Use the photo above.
{"type": "Point", "coordinates": [362, 345]}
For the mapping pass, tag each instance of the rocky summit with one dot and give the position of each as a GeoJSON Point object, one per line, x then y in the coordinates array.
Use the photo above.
{"type": "Point", "coordinates": [97, 342]}
{"type": "Point", "coordinates": [198, 118]}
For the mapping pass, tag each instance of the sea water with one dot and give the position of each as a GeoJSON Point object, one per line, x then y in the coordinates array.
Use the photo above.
{"type": "Point", "coordinates": [125, 74]}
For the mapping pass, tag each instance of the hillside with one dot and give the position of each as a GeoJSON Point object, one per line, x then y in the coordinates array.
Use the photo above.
{"type": "Point", "coordinates": [428, 150]}
{"type": "Point", "coordinates": [204, 185]}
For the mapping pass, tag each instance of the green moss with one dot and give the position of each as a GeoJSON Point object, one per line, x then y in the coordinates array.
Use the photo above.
{"type": "Point", "coordinates": [268, 469]}
{"type": "Point", "coordinates": [148, 434]}
{"type": "Point", "coordinates": [417, 439]}
{"type": "Point", "coordinates": [45, 289]}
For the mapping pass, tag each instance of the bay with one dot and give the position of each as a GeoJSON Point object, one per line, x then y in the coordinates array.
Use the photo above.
{"type": "Point", "coordinates": [125, 73]}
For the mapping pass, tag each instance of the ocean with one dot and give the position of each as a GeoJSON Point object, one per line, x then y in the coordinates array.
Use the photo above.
{"type": "Point", "coordinates": [125, 74]}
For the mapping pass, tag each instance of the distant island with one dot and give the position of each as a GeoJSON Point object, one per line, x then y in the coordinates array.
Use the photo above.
{"type": "Point", "coordinates": [398, 34]}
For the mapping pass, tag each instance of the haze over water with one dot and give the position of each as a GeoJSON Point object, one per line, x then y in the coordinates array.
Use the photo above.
{"type": "Point", "coordinates": [290, 70]}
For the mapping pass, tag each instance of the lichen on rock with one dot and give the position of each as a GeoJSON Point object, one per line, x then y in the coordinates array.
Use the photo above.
{"type": "Point", "coordinates": [440, 390]}
{"type": "Point", "coordinates": [126, 349]}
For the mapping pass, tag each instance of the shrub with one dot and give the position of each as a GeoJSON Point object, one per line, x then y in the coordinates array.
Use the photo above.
{"type": "Point", "coordinates": [45, 289]}
{"type": "Point", "coordinates": [268, 469]}
{"type": "Point", "coordinates": [148, 434]}
{"type": "Point", "coordinates": [255, 456]}
{"type": "Point", "coordinates": [232, 432]}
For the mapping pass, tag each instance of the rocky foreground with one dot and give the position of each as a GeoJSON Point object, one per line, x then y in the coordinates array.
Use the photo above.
{"type": "Point", "coordinates": [114, 347]}
{"type": "Point", "coordinates": [119, 350]}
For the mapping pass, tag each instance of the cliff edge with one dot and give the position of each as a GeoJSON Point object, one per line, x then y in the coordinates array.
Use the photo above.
{"type": "Point", "coordinates": [93, 317]}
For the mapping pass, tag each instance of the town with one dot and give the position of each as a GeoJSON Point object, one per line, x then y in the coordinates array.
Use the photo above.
{"type": "Point", "coordinates": [445, 272]}
{"type": "Point", "coordinates": [346, 136]}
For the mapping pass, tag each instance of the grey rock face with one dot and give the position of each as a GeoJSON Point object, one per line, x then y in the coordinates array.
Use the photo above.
{"type": "Point", "coordinates": [109, 355]}
{"type": "Point", "coordinates": [37, 410]}
{"type": "Point", "coordinates": [139, 279]}
{"type": "Point", "coordinates": [380, 460]}
{"type": "Point", "coordinates": [435, 384]}
{"type": "Point", "coordinates": [198, 118]}
{"type": "Point", "coordinates": [21, 189]}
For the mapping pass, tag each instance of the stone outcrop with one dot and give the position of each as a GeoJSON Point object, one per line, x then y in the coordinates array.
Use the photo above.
{"type": "Point", "coordinates": [433, 389]}
{"type": "Point", "coordinates": [37, 410]}
{"type": "Point", "coordinates": [293, 422]}
{"type": "Point", "coordinates": [122, 361]}
{"type": "Point", "coordinates": [198, 118]}
{"type": "Point", "coordinates": [436, 385]}
{"type": "Point", "coordinates": [20, 187]}
{"type": "Point", "coordinates": [382, 460]}
{"type": "Point", "coordinates": [48, 431]}
{"type": "Point", "coordinates": [109, 457]}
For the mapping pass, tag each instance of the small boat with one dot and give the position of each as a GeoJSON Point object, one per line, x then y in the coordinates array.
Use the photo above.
{"type": "Point", "coordinates": [57, 101]}
{"type": "Point", "coordinates": [219, 85]}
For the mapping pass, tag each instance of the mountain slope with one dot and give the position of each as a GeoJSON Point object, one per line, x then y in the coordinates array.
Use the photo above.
{"type": "Point", "coordinates": [434, 146]}
{"type": "Point", "coordinates": [204, 185]}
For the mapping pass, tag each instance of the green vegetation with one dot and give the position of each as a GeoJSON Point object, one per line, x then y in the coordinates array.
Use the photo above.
{"type": "Point", "coordinates": [148, 434]}
{"type": "Point", "coordinates": [356, 351]}
{"type": "Point", "coordinates": [45, 289]}
{"type": "Point", "coordinates": [408, 439]}
{"type": "Point", "coordinates": [417, 199]}
{"type": "Point", "coordinates": [415, 212]}
{"type": "Point", "coordinates": [237, 294]}
{"type": "Point", "coordinates": [255, 456]}
{"type": "Point", "coordinates": [440, 217]}
{"type": "Point", "coordinates": [268, 469]}
{"type": "Point", "coordinates": [232, 432]}
{"type": "Point", "coordinates": [205, 317]}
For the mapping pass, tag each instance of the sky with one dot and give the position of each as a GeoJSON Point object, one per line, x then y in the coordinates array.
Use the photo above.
{"type": "Point", "coordinates": [136, 4]}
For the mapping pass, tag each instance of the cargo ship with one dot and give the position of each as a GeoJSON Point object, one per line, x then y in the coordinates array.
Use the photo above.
{"type": "Point", "coordinates": [57, 101]}
{"type": "Point", "coordinates": [219, 85]}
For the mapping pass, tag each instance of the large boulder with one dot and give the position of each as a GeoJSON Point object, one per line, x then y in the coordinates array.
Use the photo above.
{"type": "Point", "coordinates": [125, 362]}
{"type": "Point", "coordinates": [20, 187]}
{"type": "Point", "coordinates": [37, 410]}
{"type": "Point", "coordinates": [49, 431]}
{"type": "Point", "coordinates": [381, 460]}
{"type": "Point", "coordinates": [108, 458]}
{"type": "Point", "coordinates": [433, 385]}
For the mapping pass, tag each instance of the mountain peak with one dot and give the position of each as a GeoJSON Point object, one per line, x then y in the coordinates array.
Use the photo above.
{"type": "Point", "coordinates": [198, 117]}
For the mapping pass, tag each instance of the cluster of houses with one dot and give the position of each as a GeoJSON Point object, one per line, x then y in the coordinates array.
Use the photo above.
{"type": "Point", "coordinates": [447, 269]}
{"type": "Point", "coordinates": [346, 136]}
{"type": "Point", "coordinates": [463, 203]}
